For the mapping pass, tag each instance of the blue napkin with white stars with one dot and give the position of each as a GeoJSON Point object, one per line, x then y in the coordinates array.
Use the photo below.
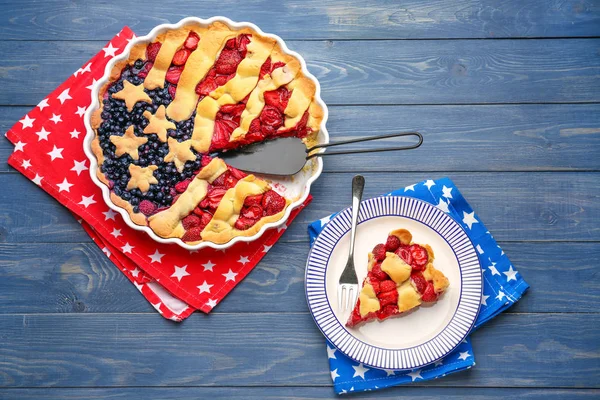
{"type": "Point", "coordinates": [502, 287]}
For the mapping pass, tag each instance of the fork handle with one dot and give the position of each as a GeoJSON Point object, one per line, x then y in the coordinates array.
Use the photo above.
{"type": "Point", "coordinates": [358, 184]}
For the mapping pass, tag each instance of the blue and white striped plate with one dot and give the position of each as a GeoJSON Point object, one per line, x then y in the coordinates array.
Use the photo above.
{"type": "Point", "coordinates": [419, 337]}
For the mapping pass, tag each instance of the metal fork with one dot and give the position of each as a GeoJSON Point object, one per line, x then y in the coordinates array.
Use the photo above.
{"type": "Point", "coordinates": [348, 283]}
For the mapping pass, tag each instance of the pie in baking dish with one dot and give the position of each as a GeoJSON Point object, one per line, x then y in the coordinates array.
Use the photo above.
{"type": "Point", "coordinates": [401, 277]}
{"type": "Point", "coordinates": [191, 92]}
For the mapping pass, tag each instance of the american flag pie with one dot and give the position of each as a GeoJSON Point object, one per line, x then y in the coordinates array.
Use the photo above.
{"type": "Point", "coordinates": [49, 151]}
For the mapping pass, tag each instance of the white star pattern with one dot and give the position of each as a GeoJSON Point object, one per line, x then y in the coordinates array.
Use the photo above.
{"type": "Point", "coordinates": [55, 153]}
{"type": "Point", "coordinates": [87, 200]}
{"type": "Point", "coordinates": [464, 355]}
{"type": "Point", "coordinates": [94, 81]}
{"type": "Point", "coordinates": [442, 205]}
{"type": "Point", "coordinates": [331, 352]}
{"type": "Point", "coordinates": [157, 306]}
{"type": "Point", "coordinates": [415, 375]}
{"type": "Point", "coordinates": [135, 272]}
{"type": "Point", "coordinates": [359, 370]}
{"type": "Point", "coordinates": [209, 266]}
{"type": "Point", "coordinates": [139, 286]}
{"type": "Point", "coordinates": [180, 272]}
{"type": "Point", "coordinates": [43, 104]}
{"type": "Point", "coordinates": [109, 51]}
{"type": "Point", "coordinates": [74, 134]}
{"type": "Point", "coordinates": [479, 249]}
{"type": "Point", "coordinates": [411, 188]}
{"type": "Point", "coordinates": [110, 214]}
{"type": "Point", "coordinates": [429, 183]}
{"type": "Point", "coordinates": [79, 166]}
{"type": "Point", "coordinates": [156, 257]}
{"type": "Point", "coordinates": [266, 248]}
{"type": "Point", "coordinates": [116, 232]}
{"type": "Point", "coordinates": [64, 96]}
{"type": "Point", "coordinates": [27, 122]}
{"type": "Point", "coordinates": [80, 111]}
{"type": "Point", "coordinates": [484, 299]}
{"type": "Point", "coordinates": [439, 362]}
{"type": "Point", "coordinates": [56, 118]}
{"type": "Point", "coordinates": [230, 276]}
{"type": "Point", "coordinates": [243, 260]}
{"type": "Point", "coordinates": [334, 374]}
{"type": "Point", "coordinates": [211, 303]}
{"type": "Point", "coordinates": [64, 186]}
{"type": "Point", "coordinates": [127, 248]}
{"type": "Point", "coordinates": [42, 134]}
{"type": "Point", "coordinates": [129, 40]}
{"type": "Point", "coordinates": [37, 179]}
{"type": "Point", "coordinates": [106, 251]}
{"type": "Point", "coordinates": [511, 274]}
{"type": "Point", "coordinates": [19, 146]}
{"type": "Point", "coordinates": [389, 372]}
{"type": "Point", "coordinates": [447, 192]}
{"type": "Point", "coordinates": [493, 269]}
{"type": "Point", "coordinates": [281, 228]}
{"type": "Point", "coordinates": [84, 69]}
{"type": "Point", "coordinates": [469, 219]}
{"type": "Point", "coordinates": [204, 288]}
{"type": "Point", "coordinates": [501, 295]}
{"type": "Point", "coordinates": [26, 164]}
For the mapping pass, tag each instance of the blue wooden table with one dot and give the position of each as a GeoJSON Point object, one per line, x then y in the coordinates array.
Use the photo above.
{"type": "Point", "coordinates": [507, 95]}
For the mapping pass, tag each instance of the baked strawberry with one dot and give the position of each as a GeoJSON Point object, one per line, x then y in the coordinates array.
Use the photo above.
{"type": "Point", "coordinates": [181, 57]}
{"type": "Point", "coordinates": [379, 252]}
{"type": "Point", "coordinates": [419, 281]}
{"type": "Point", "coordinates": [230, 44]}
{"type": "Point", "coordinates": [271, 116]}
{"type": "Point", "coordinates": [236, 173]}
{"type": "Point", "coordinates": [272, 202]}
{"type": "Point", "coordinates": [190, 221]}
{"type": "Point", "coordinates": [214, 197]}
{"type": "Point", "coordinates": [387, 311]}
{"type": "Point", "coordinates": [242, 44]}
{"type": "Point", "coordinates": [404, 253]}
{"type": "Point", "coordinates": [244, 223]}
{"type": "Point", "coordinates": [252, 212]}
{"type": "Point", "coordinates": [173, 74]}
{"type": "Point", "coordinates": [204, 215]}
{"type": "Point", "coordinates": [392, 243]}
{"type": "Point", "coordinates": [234, 110]}
{"type": "Point", "coordinates": [265, 68]}
{"type": "Point", "coordinates": [192, 235]}
{"type": "Point", "coordinates": [390, 297]}
{"type": "Point", "coordinates": [276, 65]}
{"type": "Point", "coordinates": [227, 62]}
{"type": "Point", "coordinates": [172, 90]}
{"type": "Point", "coordinates": [182, 186]}
{"type": "Point", "coordinates": [387, 285]}
{"type": "Point", "coordinates": [145, 69]}
{"type": "Point", "coordinates": [152, 51]}
{"type": "Point", "coordinates": [378, 273]}
{"type": "Point", "coordinates": [419, 256]}
{"type": "Point", "coordinates": [376, 285]}
{"type": "Point", "coordinates": [255, 200]}
{"type": "Point", "coordinates": [429, 294]}
{"type": "Point", "coordinates": [208, 84]}
{"type": "Point", "coordinates": [147, 207]}
{"type": "Point", "coordinates": [191, 43]}
{"type": "Point", "coordinates": [278, 98]}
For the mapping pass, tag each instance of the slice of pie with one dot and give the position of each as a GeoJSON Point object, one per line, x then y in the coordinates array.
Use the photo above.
{"type": "Point", "coordinates": [401, 276]}
{"type": "Point", "coordinates": [188, 93]}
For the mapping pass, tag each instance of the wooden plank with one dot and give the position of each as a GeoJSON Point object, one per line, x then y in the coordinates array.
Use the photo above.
{"type": "Point", "coordinates": [106, 350]}
{"type": "Point", "coordinates": [528, 137]}
{"type": "Point", "coordinates": [327, 19]}
{"type": "Point", "coordinates": [292, 393]}
{"type": "Point", "coordinates": [514, 206]}
{"type": "Point", "coordinates": [78, 278]}
{"type": "Point", "coordinates": [375, 72]}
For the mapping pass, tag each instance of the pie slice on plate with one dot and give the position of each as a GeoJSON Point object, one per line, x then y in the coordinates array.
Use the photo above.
{"type": "Point", "coordinates": [401, 277]}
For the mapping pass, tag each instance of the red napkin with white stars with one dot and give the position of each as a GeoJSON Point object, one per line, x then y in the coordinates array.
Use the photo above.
{"type": "Point", "coordinates": [49, 151]}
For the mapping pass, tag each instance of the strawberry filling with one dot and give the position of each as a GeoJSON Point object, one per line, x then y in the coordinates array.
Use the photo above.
{"type": "Point", "coordinates": [257, 207]}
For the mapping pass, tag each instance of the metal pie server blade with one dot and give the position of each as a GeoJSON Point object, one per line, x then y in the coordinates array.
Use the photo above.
{"type": "Point", "coordinates": [283, 156]}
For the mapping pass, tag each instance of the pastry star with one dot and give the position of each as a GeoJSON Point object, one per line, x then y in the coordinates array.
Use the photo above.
{"type": "Point", "coordinates": [128, 143]}
{"type": "Point", "coordinates": [415, 375]}
{"type": "Point", "coordinates": [64, 96]}
{"type": "Point", "coordinates": [142, 177]}
{"type": "Point", "coordinates": [158, 123]}
{"type": "Point", "coordinates": [359, 370]}
{"type": "Point", "coordinates": [132, 94]}
{"type": "Point", "coordinates": [179, 153]}
{"type": "Point", "coordinates": [511, 274]}
{"type": "Point", "coordinates": [55, 153]}
{"type": "Point", "coordinates": [204, 288]}
{"type": "Point", "coordinates": [27, 122]}
{"type": "Point", "coordinates": [42, 134]}
{"type": "Point", "coordinates": [469, 219]}
{"type": "Point", "coordinates": [64, 186]}
{"type": "Point", "coordinates": [180, 272]}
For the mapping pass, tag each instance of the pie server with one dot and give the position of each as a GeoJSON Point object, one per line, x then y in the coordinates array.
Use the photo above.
{"type": "Point", "coordinates": [287, 156]}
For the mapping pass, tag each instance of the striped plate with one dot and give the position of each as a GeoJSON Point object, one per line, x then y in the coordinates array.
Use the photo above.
{"type": "Point", "coordinates": [419, 337]}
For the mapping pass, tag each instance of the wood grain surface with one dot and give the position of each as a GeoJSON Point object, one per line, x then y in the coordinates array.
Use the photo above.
{"type": "Point", "coordinates": [507, 95]}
